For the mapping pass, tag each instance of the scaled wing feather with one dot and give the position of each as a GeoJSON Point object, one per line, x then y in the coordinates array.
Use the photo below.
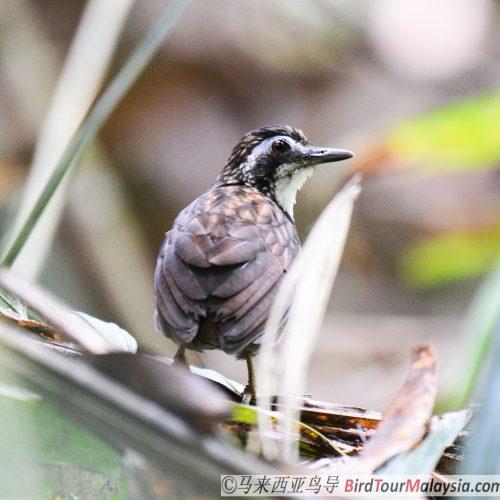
{"type": "Point", "coordinates": [221, 262]}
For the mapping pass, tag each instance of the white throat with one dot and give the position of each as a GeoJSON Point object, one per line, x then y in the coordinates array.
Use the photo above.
{"type": "Point", "coordinates": [286, 188]}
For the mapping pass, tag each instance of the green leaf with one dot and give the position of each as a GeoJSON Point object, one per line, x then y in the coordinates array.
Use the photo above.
{"type": "Point", "coordinates": [32, 430]}
{"type": "Point", "coordinates": [44, 455]}
{"type": "Point", "coordinates": [242, 425]}
{"type": "Point", "coordinates": [9, 302]}
{"type": "Point", "coordinates": [13, 392]}
{"type": "Point", "coordinates": [449, 257]}
{"type": "Point", "coordinates": [15, 310]}
{"type": "Point", "coordinates": [459, 136]}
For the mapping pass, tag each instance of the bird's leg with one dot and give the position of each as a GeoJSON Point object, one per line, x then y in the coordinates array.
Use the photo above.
{"type": "Point", "coordinates": [249, 394]}
{"type": "Point", "coordinates": [180, 357]}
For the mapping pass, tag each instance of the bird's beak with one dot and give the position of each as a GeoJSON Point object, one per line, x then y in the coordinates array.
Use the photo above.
{"type": "Point", "coordinates": [316, 155]}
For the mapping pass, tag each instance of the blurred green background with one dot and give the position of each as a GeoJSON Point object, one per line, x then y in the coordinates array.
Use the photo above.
{"type": "Point", "coordinates": [411, 87]}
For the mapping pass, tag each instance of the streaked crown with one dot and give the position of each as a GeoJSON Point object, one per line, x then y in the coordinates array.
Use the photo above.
{"type": "Point", "coordinates": [276, 160]}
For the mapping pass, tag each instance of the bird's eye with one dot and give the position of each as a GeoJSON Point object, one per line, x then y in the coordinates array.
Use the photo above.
{"type": "Point", "coordinates": [280, 147]}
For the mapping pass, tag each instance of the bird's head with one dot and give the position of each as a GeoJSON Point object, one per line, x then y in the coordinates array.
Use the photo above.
{"type": "Point", "coordinates": [276, 160]}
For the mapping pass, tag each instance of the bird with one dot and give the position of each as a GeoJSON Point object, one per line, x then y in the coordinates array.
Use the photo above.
{"type": "Point", "coordinates": [221, 263]}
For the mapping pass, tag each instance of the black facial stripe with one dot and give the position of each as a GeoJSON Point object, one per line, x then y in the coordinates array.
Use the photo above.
{"type": "Point", "coordinates": [262, 170]}
{"type": "Point", "coordinates": [266, 165]}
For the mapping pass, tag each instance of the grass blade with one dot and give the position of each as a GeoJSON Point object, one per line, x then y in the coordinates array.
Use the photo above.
{"type": "Point", "coordinates": [304, 292]}
{"type": "Point", "coordinates": [78, 84]}
{"type": "Point", "coordinates": [103, 108]}
{"type": "Point", "coordinates": [480, 326]}
{"type": "Point", "coordinates": [482, 450]}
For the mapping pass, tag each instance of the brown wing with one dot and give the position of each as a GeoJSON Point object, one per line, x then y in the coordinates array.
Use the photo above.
{"type": "Point", "coordinates": [221, 262]}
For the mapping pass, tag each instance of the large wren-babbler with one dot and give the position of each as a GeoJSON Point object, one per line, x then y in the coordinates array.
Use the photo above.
{"type": "Point", "coordinates": [220, 265]}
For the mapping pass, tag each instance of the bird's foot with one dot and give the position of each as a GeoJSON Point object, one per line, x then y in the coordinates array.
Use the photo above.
{"type": "Point", "coordinates": [249, 397]}
{"type": "Point", "coordinates": [250, 394]}
{"type": "Point", "coordinates": [180, 358]}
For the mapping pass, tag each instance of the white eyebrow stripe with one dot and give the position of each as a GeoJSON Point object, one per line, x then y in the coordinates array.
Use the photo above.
{"type": "Point", "coordinates": [263, 147]}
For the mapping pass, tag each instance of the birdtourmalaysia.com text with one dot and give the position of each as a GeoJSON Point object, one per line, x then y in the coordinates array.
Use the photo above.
{"type": "Point", "coordinates": [357, 486]}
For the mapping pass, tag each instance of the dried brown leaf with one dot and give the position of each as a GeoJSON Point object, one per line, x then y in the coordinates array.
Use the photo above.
{"type": "Point", "coordinates": [405, 423]}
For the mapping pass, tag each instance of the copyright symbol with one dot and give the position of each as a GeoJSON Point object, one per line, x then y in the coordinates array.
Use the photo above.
{"type": "Point", "coordinates": [228, 484]}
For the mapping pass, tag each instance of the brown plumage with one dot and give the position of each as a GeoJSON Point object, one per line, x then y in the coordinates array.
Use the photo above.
{"type": "Point", "coordinates": [220, 264]}
{"type": "Point", "coordinates": [218, 267]}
